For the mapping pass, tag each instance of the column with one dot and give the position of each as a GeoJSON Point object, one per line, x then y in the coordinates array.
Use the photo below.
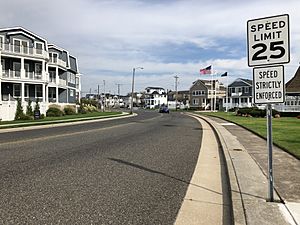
{"type": "Point", "coordinates": [56, 75]}
{"type": "Point", "coordinates": [22, 92]}
{"type": "Point", "coordinates": [56, 89]}
{"type": "Point", "coordinates": [22, 69]}
{"type": "Point", "coordinates": [43, 72]}
{"type": "Point", "coordinates": [46, 93]}
{"type": "Point", "coordinates": [43, 92]}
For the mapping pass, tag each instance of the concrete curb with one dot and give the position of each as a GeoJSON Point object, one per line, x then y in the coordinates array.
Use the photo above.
{"type": "Point", "coordinates": [247, 183]}
{"type": "Point", "coordinates": [19, 127]}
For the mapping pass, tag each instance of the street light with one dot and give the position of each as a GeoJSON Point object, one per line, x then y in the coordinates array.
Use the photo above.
{"type": "Point", "coordinates": [132, 88]}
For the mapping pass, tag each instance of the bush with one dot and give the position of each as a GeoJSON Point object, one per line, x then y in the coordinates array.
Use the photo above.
{"type": "Point", "coordinates": [69, 110]}
{"type": "Point", "coordinates": [19, 111]}
{"type": "Point", "coordinates": [29, 111]}
{"type": "Point", "coordinates": [54, 112]}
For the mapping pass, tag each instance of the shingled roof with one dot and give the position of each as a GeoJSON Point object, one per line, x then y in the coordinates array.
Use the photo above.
{"type": "Point", "coordinates": [293, 86]}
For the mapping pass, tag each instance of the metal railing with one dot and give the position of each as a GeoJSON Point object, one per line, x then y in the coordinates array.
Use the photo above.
{"type": "Point", "coordinates": [33, 75]}
{"type": "Point", "coordinates": [23, 50]}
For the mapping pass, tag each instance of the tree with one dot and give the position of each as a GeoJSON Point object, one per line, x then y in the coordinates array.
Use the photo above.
{"type": "Point", "coordinates": [19, 112]}
{"type": "Point", "coordinates": [29, 111]}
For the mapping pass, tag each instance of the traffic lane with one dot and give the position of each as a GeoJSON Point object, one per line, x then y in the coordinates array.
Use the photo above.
{"type": "Point", "coordinates": [134, 174]}
{"type": "Point", "coordinates": [61, 130]}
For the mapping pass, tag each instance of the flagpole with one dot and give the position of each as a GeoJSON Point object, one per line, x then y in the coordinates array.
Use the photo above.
{"type": "Point", "coordinates": [227, 93]}
{"type": "Point", "coordinates": [211, 91]}
{"type": "Point", "coordinates": [215, 95]}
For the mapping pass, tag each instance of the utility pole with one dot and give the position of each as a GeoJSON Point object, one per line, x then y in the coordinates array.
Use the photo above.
{"type": "Point", "coordinates": [176, 82]}
{"type": "Point", "coordinates": [119, 93]}
{"type": "Point", "coordinates": [104, 99]}
{"type": "Point", "coordinates": [98, 96]}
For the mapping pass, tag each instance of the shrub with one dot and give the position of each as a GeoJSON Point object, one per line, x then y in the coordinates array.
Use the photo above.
{"type": "Point", "coordinates": [37, 105]}
{"type": "Point", "coordinates": [29, 111]}
{"type": "Point", "coordinates": [54, 112]}
{"type": "Point", "coordinates": [69, 110]}
{"type": "Point", "coordinates": [19, 111]}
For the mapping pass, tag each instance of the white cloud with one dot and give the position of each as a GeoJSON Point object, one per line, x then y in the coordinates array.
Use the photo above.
{"type": "Point", "coordinates": [116, 36]}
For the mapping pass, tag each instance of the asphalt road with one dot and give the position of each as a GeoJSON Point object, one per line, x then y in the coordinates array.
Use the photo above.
{"type": "Point", "coordinates": [127, 171]}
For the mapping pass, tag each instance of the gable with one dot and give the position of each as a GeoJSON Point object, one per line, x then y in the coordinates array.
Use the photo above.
{"type": "Point", "coordinates": [293, 85]}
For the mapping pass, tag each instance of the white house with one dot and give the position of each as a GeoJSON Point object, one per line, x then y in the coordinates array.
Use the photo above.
{"type": "Point", "coordinates": [155, 97]}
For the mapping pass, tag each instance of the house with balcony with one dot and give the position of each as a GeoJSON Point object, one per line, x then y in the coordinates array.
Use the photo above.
{"type": "Point", "coordinates": [32, 69]}
{"type": "Point", "coordinates": [292, 95]}
{"type": "Point", "coordinates": [239, 94]}
{"type": "Point", "coordinates": [155, 97]}
{"type": "Point", "coordinates": [206, 93]}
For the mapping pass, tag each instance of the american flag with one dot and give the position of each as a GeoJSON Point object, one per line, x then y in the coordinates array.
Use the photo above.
{"type": "Point", "coordinates": [206, 70]}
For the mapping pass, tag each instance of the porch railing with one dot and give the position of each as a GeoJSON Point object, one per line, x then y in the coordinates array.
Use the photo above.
{"type": "Point", "coordinates": [23, 50]}
{"type": "Point", "coordinates": [11, 74]}
{"type": "Point", "coordinates": [59, 62]}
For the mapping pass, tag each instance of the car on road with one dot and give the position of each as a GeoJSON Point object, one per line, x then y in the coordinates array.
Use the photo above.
{"type": "Point", "coordinates": [163, 109]}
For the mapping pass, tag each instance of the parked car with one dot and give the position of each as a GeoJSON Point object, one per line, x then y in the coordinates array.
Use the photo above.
{"type": "Point", "coordinates": [164, 109]}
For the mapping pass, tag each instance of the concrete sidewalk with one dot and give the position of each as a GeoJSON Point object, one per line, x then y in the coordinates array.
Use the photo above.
{"type": "Point", "coordinates": [245, 155]}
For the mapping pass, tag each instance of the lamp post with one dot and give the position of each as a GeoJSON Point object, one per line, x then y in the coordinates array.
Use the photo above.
{"type": "Point", "coordinates": [132, 88]}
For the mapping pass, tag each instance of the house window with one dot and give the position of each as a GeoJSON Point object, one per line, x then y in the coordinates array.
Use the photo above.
{"type": "Point", "coordinates": [26, 67]}
{"type": "Point", "coordinates": [1, 42]}
{"type": "Point", "coordinates": [195, 101]}
{"type": "Point", "coordinates": [17, 69]}
{"type": "Point", "coordinates": [38, 69]}
{"type": "Point", "coordinates": [38, 91]}
{"type": "Point", "coordinates": [239, 90]}
{"type": "Point", "coordinates": [71, 93]}
{"type": "Point", "coordinates": [25, 47]}
{"type": "Point", "coordinates": [53, 57]}
{"type": "Point", "coordinates": [232, 90]}
{"type": "Point", "coordinates": [246, 89]}
{"type": "Point", "coordinates": [26, 93]}
{"type": "Point", "coordinates": [3, 64]}
{"type": "Point", "coordinates": [16, 90]}
{"type": "Point", "coordinates": [17, 46]}
{"type": "Point", "coordinates": [39, 47]}
{"type": "Point", "coordinates": [71, 78]}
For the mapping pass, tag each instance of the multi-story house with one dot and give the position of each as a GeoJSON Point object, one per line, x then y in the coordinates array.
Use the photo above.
{"type": "Point", "coordinates": [32, 69]}
{"type": "Point", "coordinates": [155, 97]}
{"type": "Point", "coordinates": [206, 94]}
{"type": "Point", "coordinates": [292, 95]}
{"type": "Point", "coordinates": [239, 94]}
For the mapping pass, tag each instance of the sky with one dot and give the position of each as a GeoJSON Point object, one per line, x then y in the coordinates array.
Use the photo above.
{"type": "Point", "coordinates": [167, 38]}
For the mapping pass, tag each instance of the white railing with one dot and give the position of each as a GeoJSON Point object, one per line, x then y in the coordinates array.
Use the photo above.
{"type": "Point", "coordinates": [33, 75]}
{"type": "Point", "coordinates": [11, 74]}
{"type": "Point", "coordinates": [59, 62]}
{"type": "Point", "coordinates": [23, 50]}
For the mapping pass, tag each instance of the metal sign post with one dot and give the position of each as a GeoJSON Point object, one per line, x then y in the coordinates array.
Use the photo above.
{"type": "Point", "coordinates": [268, 44]}
{"type": "Point", "coordinates": [270, 153]}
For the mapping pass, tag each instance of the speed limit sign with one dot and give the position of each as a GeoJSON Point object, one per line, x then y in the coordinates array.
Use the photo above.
{"type": "Point", "coordinates": [268, 40]}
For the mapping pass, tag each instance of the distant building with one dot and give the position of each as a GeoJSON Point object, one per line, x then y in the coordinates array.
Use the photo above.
{"type": "Point", "coordinates": [239, 94]}
{"type": "Point", "coordinates": [32, 69]}
{"type": "Point", "coordinates": [206, 93]}
{"type": "Point", "coordinates": [155, 97]}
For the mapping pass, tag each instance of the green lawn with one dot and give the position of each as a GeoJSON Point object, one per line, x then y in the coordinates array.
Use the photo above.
{"type": "Point", "coordinates": [48, 120]}
{"type": "Point", "coordinates": [286, 130]}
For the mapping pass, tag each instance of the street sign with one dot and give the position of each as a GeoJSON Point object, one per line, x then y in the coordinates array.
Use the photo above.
{"type": "Point", "coordinates": [268, 83]}
{"type": "Point", "coordinates": [268, 40]}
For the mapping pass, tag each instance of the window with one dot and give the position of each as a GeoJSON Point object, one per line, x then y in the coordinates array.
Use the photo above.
{"type": "Point", "coordinates": [71, 78]}
{"type": "Point", "coordinates": [3, 64]}
{"type": "Point", "coordinates": [17, 69]}
{"type": "Point", "coordinates": [39, 47]}
{"type": "Point", "coordinates": [38, 91]}
{"type": "Point", "coordinates": [52, 76]}
{"type": "Point", "coordinates": [246, 89]}
{"type": "Point", "coordinates": [25, 47]}
{"type": "Point", "coordinates": [26, 93]}
{"type": "Point", "coordinates": [71, 93]}
{"type": "Point", "coordinates": [26, 67]}
{"type": "Point", "coordinates": [195, 101]}
{"type": "Point", "coordinates": [239, 90]}
{"type": "Point", "coordinates": [17, 46]}
{"type": "Point", "coordinates": [16, 90]}
{"type": "Point", "coordinates": [53, 57]}
{"type": "Point", "coordinates": [38, 69]}
{"type": "Point", "coordinates": [1, 42]}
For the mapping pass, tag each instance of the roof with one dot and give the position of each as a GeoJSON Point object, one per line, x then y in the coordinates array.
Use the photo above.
{"type": "Point", "coordinates": [293, 85]}
{"type": "Point", "coordinates": [154, 88]}
{"type": "Point", "coordinates": [241, 82]}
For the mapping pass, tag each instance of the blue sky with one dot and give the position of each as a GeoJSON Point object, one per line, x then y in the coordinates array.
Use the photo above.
{"type": "Point", "coordinates": [111, 37]}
